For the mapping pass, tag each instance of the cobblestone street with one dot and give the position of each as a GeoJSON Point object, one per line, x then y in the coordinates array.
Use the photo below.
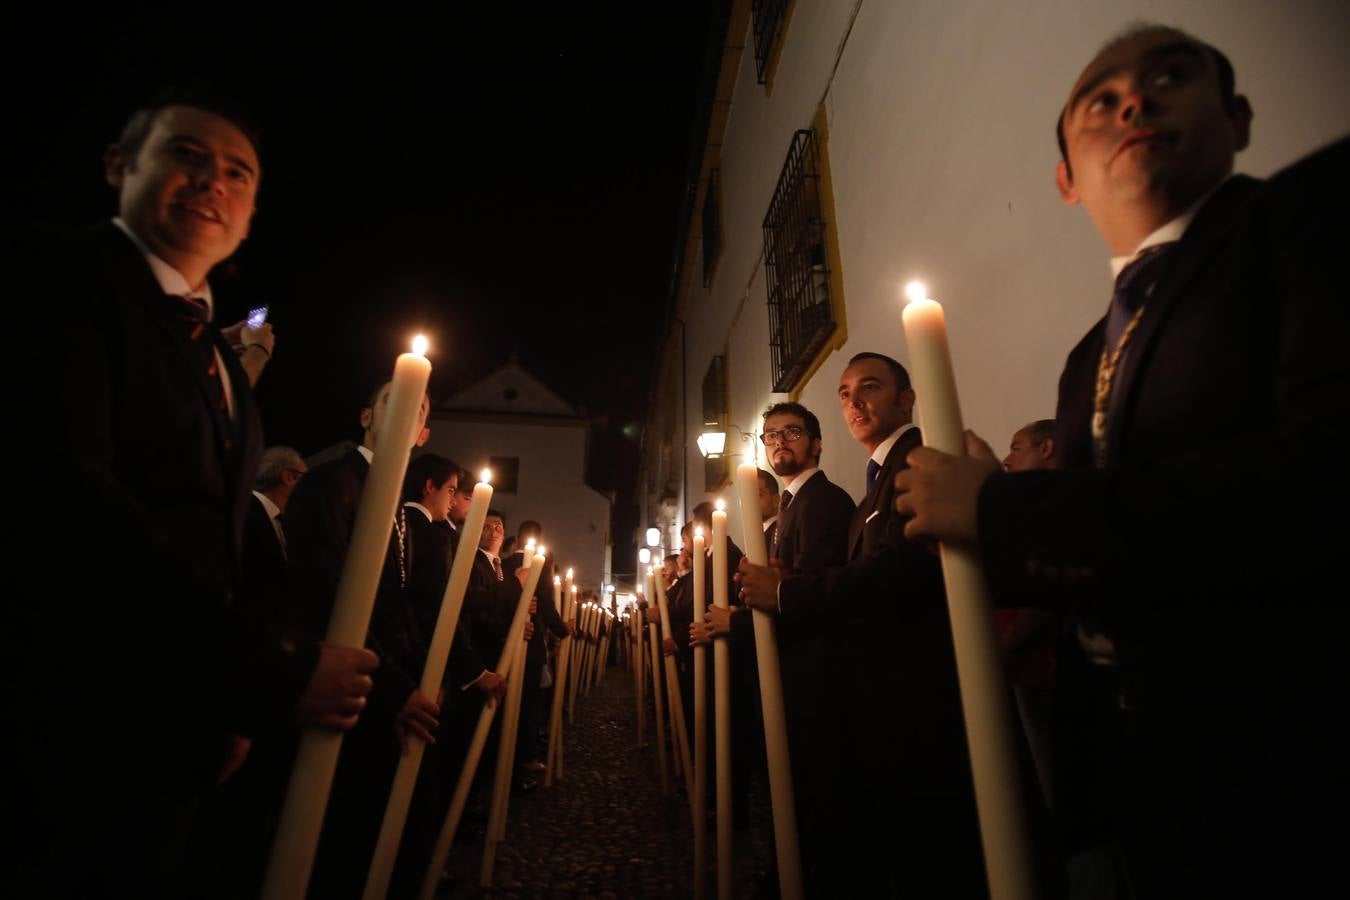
{"type": "Point", "coordinates": [605, 831]}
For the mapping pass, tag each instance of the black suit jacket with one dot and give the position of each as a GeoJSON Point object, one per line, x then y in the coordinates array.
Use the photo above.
{"type": "Point", "coordinates": [1201, 546]}
{"type": "Point", "coordinates": [890, 599]}
{"type": "Point", "coordinates": [266, 577]}
{"type": "Point", "coordinates": [131, 444]}
{"type": "Point", "coordinates": [433, 556]}
{"type": "Point", "coordinates": [546, 615]}
{"type": "Point", "coordinates": [319, 521]}
{"type": "Point", "coordinates": [489, 605]}
{"type": "Point", "coordinates": [812, 536]}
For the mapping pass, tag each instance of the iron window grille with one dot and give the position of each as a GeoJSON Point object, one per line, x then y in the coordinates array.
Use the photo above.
{"type": "Point", "coordinates": [796, 272]}
{"type": "Point", "coordinates": [712, 227]}
{"type": "Point", "coordinates": [768, 17]}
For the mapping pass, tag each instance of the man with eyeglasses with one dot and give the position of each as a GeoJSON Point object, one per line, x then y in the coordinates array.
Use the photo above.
{"type": "Point", "coordinates": [894, 683]}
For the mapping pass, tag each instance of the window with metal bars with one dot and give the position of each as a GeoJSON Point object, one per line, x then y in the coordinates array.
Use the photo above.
{"type": "Point", "coordinates": [712, 227]}
{"type": "Point", "coordinates": [796, 273]}
{"type": "Point", "coordinates": [768, 16]}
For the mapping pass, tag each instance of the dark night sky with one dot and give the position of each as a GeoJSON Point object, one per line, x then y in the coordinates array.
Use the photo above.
{"type": "Point", "coordinates": [507, 180]}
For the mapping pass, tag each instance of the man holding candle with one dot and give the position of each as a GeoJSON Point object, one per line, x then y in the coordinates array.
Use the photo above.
{"type": "Point", "coordinates": [321, 516]}
{"type": "Point", "coordinates": [149, 428]}
{"type": "Point", "coordinates": [1199, 425]}
{"type": "Point", "coordinates": [898, 670]}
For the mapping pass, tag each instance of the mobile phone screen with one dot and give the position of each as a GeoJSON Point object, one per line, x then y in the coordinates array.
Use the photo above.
{"type": "Point", "coordinates": [257, 316]}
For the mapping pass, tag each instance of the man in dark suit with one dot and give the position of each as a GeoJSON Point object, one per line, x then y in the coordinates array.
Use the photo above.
{"type": "Point", "coordinates": [897, 674]}
{"type": "Point", "coordinates": [319, 523]}
{"type": "Point", "coordinates": [544, 616]}
{"type": "Point", "coordinates": [1200, 503]}
{"type": "Point", "coordinates": [768, 506]}
{"type": "Point", "coordinates": [150, 430]}
{"type": "Point", "coordinates": [811, 534]}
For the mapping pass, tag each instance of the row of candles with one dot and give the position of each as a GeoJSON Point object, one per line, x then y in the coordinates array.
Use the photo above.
{"type": "Point", "coordinates": [989, 726]}
{"type": "Point", "coordinates": [988, 722]}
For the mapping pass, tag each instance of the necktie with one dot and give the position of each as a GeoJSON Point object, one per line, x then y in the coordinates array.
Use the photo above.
{"type": "Point", "coordinates": [873, 467]}
{"type": "Point", "coordinates": [192, 313]}
{"type": "Point", "coordinates": [497, 569]}
{"type": "Point", "coordinates": [785, 502]}
{"type": "Point", "coordinates": [1133, 286]}
{"type": "Point", "coordinates": [279, 526]}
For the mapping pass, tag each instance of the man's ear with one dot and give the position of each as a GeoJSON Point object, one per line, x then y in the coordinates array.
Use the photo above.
{"type": "Point", "coordinates": [1242, 122]}
{"type": "Point", "coordinates": [907, 400]}
{"type": "Point", "coordinates": [816, 448]}
{"type": "Point", "coordinates": [367, 416]}
{"type": "Point", "coordinates": [1048, 449]}
{"type": "Point", "coordinates": [1064, 181]}
{"type": "Point", "coordinates": [114, 166]}
{"type": "Point", "coordinates": [422, 436]}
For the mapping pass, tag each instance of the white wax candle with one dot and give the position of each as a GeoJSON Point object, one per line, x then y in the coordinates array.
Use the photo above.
{"type": "Point", "coordinates": [989, 726]}
{"type": "Point", "coordinates": [452, 602]}
{"type": "Point", "coordinates": [771, 695]}
{"type": "Point", "coordinates": [395, 429]}
{"type": "Point", "coordinates": [722, 707]}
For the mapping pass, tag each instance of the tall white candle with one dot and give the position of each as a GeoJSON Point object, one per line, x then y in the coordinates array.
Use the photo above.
{"type": "Point", "coordinates": [771, 695]}
{"type": "Point", "coordinates": [681, 736]}
{"type": "Point", "coordinates": [989, 727]}
{"type": "Point", "coordinates": [722, 705]}
{"type": "Point", "coordinates": [405, 778]}
{"type": "Point", "coordinates": [396, 428]}
{"type": "Point", "coordinates": [655, 647]}
{"type": "Point", "coordinates": [700, 797]}
{"type": "Point", "coordinates": [514, 635]}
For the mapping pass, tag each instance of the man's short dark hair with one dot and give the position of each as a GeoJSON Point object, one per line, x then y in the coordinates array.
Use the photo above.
{"type": "Point", "coordinates": [496, 514]}
{"type": "Point", "coordinates": [1041, 430]}
{"type": "Point", "coordinates": [673, 558]}
{"type": "Point", "coordinates": [897, 371]}
{"type": "Point", "coordinates": [139, 123]}
{"type": "Point", "coordinates": [770, 483]}
{"type": "Point", "coordinates": [789, 408]}
{"type": "Point", "coordinates": [529, 528]}
{"type": "Point", "coordinates": [702, 515]}
{"type": "Point", "coordinates": [1224, 67]}
{"type": "Point", "coordinates": [427, 467]}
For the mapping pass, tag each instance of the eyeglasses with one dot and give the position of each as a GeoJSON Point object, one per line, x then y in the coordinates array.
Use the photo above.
{"type": "Point", "coordinates": [788, 434]}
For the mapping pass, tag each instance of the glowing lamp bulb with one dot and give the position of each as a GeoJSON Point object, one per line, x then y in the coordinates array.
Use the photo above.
{"type": "Point", "coordinates": [915, 291]}
{"type": "Point", "coordinates": [419, 345]}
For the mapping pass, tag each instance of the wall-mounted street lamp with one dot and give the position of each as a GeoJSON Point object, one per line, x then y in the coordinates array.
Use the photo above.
{"type": "Point", "coordinates": [653, 537]}
{"type": "Point", "coordinates": [644, 556]}
{"type": "Point", "coordinates": [712, 443]}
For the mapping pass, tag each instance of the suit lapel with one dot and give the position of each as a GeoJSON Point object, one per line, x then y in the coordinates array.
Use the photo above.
{"type": "Point", "coordinates": [895, 460]}
{"type": "Point", "coordinates": [1205, 237]}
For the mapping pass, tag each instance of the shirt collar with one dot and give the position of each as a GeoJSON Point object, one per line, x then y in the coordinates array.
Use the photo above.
{"type": "Point", "coordinates": [366, 452]}
{"type": "Point", "coordinates": [1172, 231]}
{"type": "Point", "coordinates": [420, 508]}
{"type": "Point", "coordinates": [271, 508]}
{"type": "Point", "coordinates": [492, 557]}
{"type": "Point", "coordinates": [884, 448]}
{"type": "Point", "coordinates": [802, 478]}
{"type": "Point", "coordinates": [171, 281]}
{"type": "Point", "coordinates": [768, 523]}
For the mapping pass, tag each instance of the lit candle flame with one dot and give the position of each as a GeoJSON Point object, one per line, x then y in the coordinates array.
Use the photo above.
{"type": "Point", "coordinates": [721, 505]}
{"type": "Point", "coordinates": [485, 476]}
{"type": "Point", "coordinates": [569, 571]}
{"type": "Point", "coordinates": [529, 542]}
{"type": "Point", "coordinates": [419, 345]}
{"type": "Point", "coordinates": [557, 580]}
{"type": "Point", "coordinates": [915, 291]}
{"type": "Point", "coordinates": [574, 588]}
{"type": "Point", "coordinates": [540, 551]}
{"type": "Point", "coordinates": [750, 457]}
{"type": "Point", "coordinates": [698, 531]}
